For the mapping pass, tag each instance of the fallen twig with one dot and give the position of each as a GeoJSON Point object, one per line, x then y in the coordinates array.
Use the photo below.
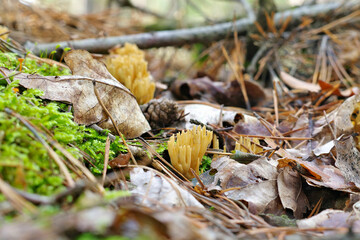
{"type": "Point", "coordinates": [184, 36]}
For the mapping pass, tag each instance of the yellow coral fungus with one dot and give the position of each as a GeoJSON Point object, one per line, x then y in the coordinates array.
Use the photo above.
{"type": "Point", "coordinates": [3, 30]}
{"type": "Point", "coordinates": [128, 66]}
{"type": "Point", "coordinates": [216, 145]}
{"type": "Point", "coordinates": [188, 150]}
{"type": "Point", "coordinates": [247, 145]}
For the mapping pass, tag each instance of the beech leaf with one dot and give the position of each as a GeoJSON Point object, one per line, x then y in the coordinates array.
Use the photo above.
{"type": "Point", "coordinates": [254, 182]}
{"type": "Point", "coordinates": [79, 90]}
{"type": "Point", "coordinates": [290, 192]}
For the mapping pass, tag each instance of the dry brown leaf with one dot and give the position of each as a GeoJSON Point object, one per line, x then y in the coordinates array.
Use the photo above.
{"type": "Point", "coordinates": [157, 191]}
{"type": "Point", "coordinates": [331, 177]}
{"type": "Point", "coordinates": [331, 219]}
{"type": "Point", "coordinates": [79, 90]}
{"type": "Point", "coordinates": [256, 181]}
{"type": "Point", "coordinates": [228, 94]}
{"type": "Point", "coordinates": [317, 174]}
{"type": "Point", "coordinates": [303, 167]}
{"type": "Point", "coordinates": [251, 126]}
{"type": "Point", "coordinates": [290, 192]}
{"type": "Point", "coordinates": [317, 220]}
{"type": "Point", "coordinates": [260, 196]}
{"type": "Point", "coordinates": [119, 101]}
{"type": "Point", "coordinates": [348, 159]}
{"type": "Point", "coordinates": [342, 121]}
{"type": "Point", "coordinates": [341, 93]}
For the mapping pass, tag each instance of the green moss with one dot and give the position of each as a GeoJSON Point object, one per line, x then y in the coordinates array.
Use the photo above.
{"type": "Point", "coordinates": [24, 162]}
{"type": "Point", "coordinates": [205, 164]}
{"type": "Point", "coordinates": [10, 61]}
{"type": "Point", "coordinates": [94, 145]}
{"type": "Point", "coordinates": [161, 148]}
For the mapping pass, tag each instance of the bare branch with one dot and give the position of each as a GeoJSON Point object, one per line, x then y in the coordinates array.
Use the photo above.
{"type": "Point", "coordinates": [184, 36]}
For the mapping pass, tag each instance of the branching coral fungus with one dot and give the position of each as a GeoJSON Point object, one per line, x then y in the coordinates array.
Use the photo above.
{"type": "Point", "coordinates": [128, 66]}
{"type": "Point", "coordinates": [188, 150]}
{"type": "Point", "coordinates": [3, 32]}
{"type": "Point", "coordinates": [248, 145]}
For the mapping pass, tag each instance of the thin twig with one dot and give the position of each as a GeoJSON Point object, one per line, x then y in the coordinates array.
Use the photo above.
{"type": "Point", "coordinates": [184, 36]}
{"type": "Point", "coordinates": [17, 201]}
{"type": "Point", "coordinates": [273, 137]}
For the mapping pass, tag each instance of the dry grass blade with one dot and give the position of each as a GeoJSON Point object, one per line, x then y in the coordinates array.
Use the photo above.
{"type": "Point", "coordinates": [268, 125]}
{"type": "Point", "coordinates": [317, 207]}
{"type": "Point", "coordinates": [239, 77]}
{"type": "Point", "coordinates": [276, 107]}
{"type": "Point", "coordinates": [326, 95]}
{"type": "Point", "coordinates": [270, 22]}
{"type": "Point", "coordinates": [78, 165]}
{"type": "Point", "coordinates": [71, 159]}
{"type": "Point", "coordinates": [17, 201]}
{"type": "Point", "coordinates": [260, 29]}
{"type": "Point", "coordinates": [284, 26]}
{"type": "Point", "coordinates": [339, 69]}
{"type": "Point", "coordinates": [106, 159]}
{"type": "Point", "coordinates": [318, 60]}
{"type": "Point", "coordinates": [336, 23]}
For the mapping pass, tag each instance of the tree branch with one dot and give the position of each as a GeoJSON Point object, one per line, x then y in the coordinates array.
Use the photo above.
{"type": "Point", "coordinates": [184, 36]}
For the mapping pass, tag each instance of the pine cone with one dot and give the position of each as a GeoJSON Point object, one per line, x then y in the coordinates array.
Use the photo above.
{"type": "Point", "coordinates": [161, 113]}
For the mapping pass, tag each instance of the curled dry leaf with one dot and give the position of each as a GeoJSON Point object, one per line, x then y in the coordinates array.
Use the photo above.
{"type": "Point", "coordinates": [331, 219]}
{"type": "Point", "coordinates": [344, 93]}
{"type": "Point", "coordinates": [342, 121]}
{"type": "Point", "coordinates": [317, 174]}
{"type": "Point", "coordinates": [79, 90]}
{"type": "Point", "coordinates": [290, 192]}
{"type": "Point", "coordinates": [157, 191]}
{"type": "Point", "coordinates": [348, 156]}
{"type": "Point", "coordinates": [348, 159]}
{"type": "Point", "coordinates": [324, 149]}
{"type": "Point", "coordinates": [251, 126]}
{"type": "Point", "coordinates": [256, 182]}
{"type": "Point", "coordinates": [119, 101]}
{"type": "Point", "coordinates": [228, 94]}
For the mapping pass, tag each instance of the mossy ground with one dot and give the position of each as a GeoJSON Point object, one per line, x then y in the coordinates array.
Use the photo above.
{"type": "Point", "coordinates": [24, 161]}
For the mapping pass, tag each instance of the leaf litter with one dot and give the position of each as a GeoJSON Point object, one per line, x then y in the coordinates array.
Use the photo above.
{"type": "Point", "coordinates": [297, 172]}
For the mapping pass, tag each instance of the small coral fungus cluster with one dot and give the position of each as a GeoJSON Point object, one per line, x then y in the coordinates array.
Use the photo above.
{"type": "Point", "coordinates": [127, 64]}
{"type": "Point", "coordinates": [187, 152]}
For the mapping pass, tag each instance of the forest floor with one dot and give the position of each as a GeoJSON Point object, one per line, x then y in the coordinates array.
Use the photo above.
{"type": "Point", "coordinates": [247, 129]}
